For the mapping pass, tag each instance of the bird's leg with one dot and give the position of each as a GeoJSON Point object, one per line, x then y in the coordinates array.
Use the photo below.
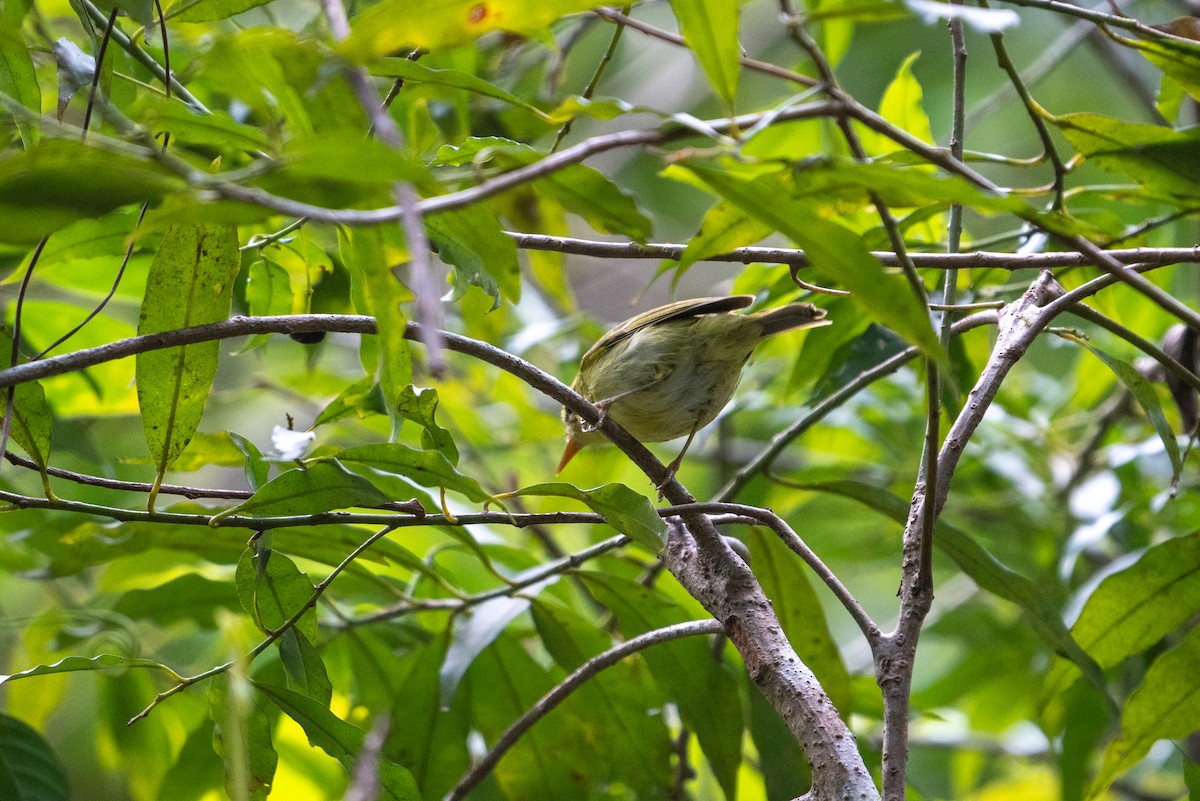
{"type": "Point", "coordinates": [606, 404]}
{"type": "Point", "coordinates": [673, 467]}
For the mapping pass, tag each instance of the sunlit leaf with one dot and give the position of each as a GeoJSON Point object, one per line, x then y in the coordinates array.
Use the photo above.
{"type": "Point", "coordinates": [710, 28]}
{"type": "Point", "coordinates": [320, 487]}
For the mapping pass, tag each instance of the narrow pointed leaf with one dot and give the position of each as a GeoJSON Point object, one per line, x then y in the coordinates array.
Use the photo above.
{"type": "Point", "coordinates": [625, 510]}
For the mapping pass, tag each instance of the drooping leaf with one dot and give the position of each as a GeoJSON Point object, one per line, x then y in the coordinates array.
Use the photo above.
{"type": "Point", "coordinates": [18, 79]}
{"type": "Point", "coordinates": [190, 283]}
{"type": "Point", "coordinates": [420, 406]}
{"type": "Point", "coordinates": [710, 28]}
{"type": "Point", "coordinates": [473, 242]}
{"type": "Point", "coordinates": [1143, 392]}
{"type": "Point", "coordinates": [341, 740]}
{"type": "Point", "coordinates": [272, 589]}
{"type": "Point", "coordinates": [242, 737]}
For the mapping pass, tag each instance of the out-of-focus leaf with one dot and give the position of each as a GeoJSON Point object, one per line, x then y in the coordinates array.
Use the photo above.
{"type": "Point", "coordinates": [341, 740]}
{"type": "Point", "coordinates": [1178, 59]}
{"type": "Point", "coordinates": [187, 597]}
{"type": "Point", "coordinates": [32, 422]}
{"type": "Point", "coordinates": [18, 79]}
{"type": "Point", "coordinates": [1166, 705]}
{"type": "Point", "coordinates": [725, 226]}
{"type": "Point", "coordinates": [243, 723]}
{"type": "Point", "coordinates": [784, 579]}
{"type": "Point", "coordinates": [901, 105]}
{"type": "Point", "coordinates": [255, 466]}
{"type": "Point", "coordinates": [414, 72]}
{"type": "Point", "coordinates": [60, 181]}
{"type": "Point", "coordinates": [216, 129]}
{"type": "Point", "coordinates": [710, 28]}
{"type": "Point", "coordinates": [1143, 392]}
{"type": "Point", "coordinates": [321, 487]}
{"type": "Point", "coordinates": [304, 667]}
{"type": "Point", "coordinates": [190, 283]}
{"type": "Point", "coordinates": [580, 189]}
{"type": "Point", "coordinates": [704, 688]}
{"type": "Point", "coordinates": [371, 259]}
{"type": "Point", "coordinates": [985, 570]}
{"type": "Point", "coordinates": [392, 25]}
{"type": "Point", "coordinates": [427, 468]}
{"type": "Point", "coordinates": [625, 510]}
{"type": "Point", "coordinates": [268, 289]}
{"type": "Point", "coordinates": [474, 630]}
{"type": "Point", "coordinates": [210, 10]}
{"type": "Point", "coordinates": [1136, 607]}
{"type": "Point", "coordinates": [472, 240]}
{"type": "Point", "coordinates": [429, 739]}
{"type": "Point", "coordinates": [29, 768]}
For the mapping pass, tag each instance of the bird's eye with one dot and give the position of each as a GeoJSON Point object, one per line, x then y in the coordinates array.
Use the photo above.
{"type": "Point", "coordinates": [569, 415]}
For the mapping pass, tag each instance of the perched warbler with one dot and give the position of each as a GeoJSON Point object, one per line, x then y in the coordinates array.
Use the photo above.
{"type": "Point", "coordinates": [670, 371]}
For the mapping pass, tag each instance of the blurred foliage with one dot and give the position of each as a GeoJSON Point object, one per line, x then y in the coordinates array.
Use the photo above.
{"type": "Point", "coordinates": [293, 562]}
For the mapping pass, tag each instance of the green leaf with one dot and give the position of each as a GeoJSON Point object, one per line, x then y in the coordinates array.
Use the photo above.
{"type": "Point", "coordinates": [618, 702]}
{"type": "Point", "coordinates": [901, 105]}
{"type": "Point", "coordinates": [552, 760]}
{"type": "Point", "coordinates": [784, 579]}
{"type": "Point", "coordinates": [984, 569]}
{"type": "Point", "coordinates": [32, 422]}
{"type": "Point", "coordinates": [436, 25]}
{"type": "Point", "coordinates": [1177, 58]}
{"type": "Point", "coordinates": [304, 667]}
{"type": "Point", "coordinates": [1166, 705]}
{"type": "Point", "coordinates": [578, 188]}
{"type": "Point", "coordinates": [472, 240]}
{"type": "Point", "coordinates": [321, 487]}
{"type": "Point", "coordinates": [29, 768]}
{"type": "Point", "coordinates": [838, 255]}
{"type": "Point", "coordinates": [427, 468]}
{"type": "Point", "coordinates": [421, 408]}
{"type": "Point", "coordinates": [628, 512]}
{"type": "Point", "coordinates": [272, 589]}
{"type": "Point", "coordinates": [725, 226]}
{"type": "Point", "coordinates": [705, 688]}
{"type": "Point", "coordinates": [60, 181]}
{"type": "Point", "coordinates": [1143, 392]}
{"type": "Point", "coordinates": [1134, 608]}
{"type": "Point", "coordinates": [341, 740]}
{"type": "Point", "coordinates": [215, 129]}
{"type": "Point", "coordinates": [361, 398]}
{"type": "Point", "coordinates": [710, 28]}
{"type": "Point", "coordinates": [255, 466]}
{"type": "Point", "coordinates": [18, 79]}
{"type": "Point", "coordinates": [371, 259]}
{"type": "Point", "coordinates": [1163, 160]}
{"type": "Point", "coordinates": [210, 10]}
{"type": "Point", "coordinates": [187, 597]}
{"type": "Point", "coordinates": [103, 663]}
{"type": "Point", "coordinates": [268, 289]}
{"type": "Point", "coordinates": [190, 283]}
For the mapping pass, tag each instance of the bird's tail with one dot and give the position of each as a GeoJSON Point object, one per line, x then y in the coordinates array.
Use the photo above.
{"type": "Point", "coordinates": [795, 315]}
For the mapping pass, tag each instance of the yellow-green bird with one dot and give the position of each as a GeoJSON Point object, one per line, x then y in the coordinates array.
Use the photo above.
{"type": "Point", "coordinates": [668, 372]}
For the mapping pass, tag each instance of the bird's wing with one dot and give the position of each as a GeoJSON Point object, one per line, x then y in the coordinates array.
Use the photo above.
{"type": "Point", "coordinates": [672, 311]}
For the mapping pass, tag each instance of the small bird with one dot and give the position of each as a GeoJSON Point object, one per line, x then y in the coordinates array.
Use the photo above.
{"type": "Point", "coordinates": [668, 372]}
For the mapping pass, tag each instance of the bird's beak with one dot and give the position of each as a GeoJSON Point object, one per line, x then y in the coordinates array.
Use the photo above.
{"type": "Point", "coordinates": [574, 446]}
